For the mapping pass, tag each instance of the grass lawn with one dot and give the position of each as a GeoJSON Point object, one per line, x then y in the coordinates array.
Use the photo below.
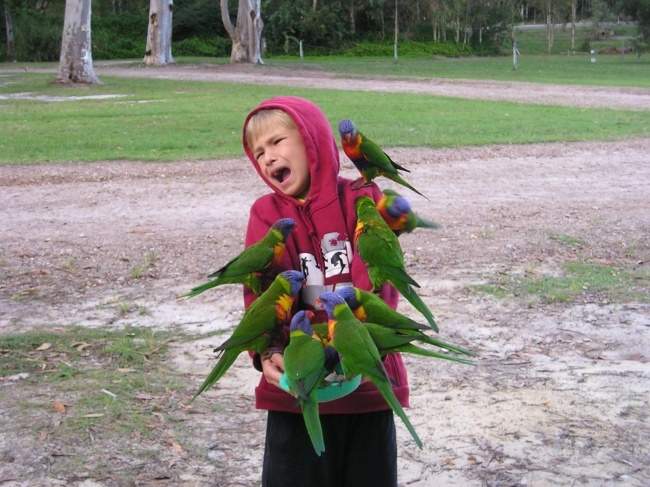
{"type": "Point", "coordinates": [609, 70]}
{"type": "Point", "coordinates": [171, 120]}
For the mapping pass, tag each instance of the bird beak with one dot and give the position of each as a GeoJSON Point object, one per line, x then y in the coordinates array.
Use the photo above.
{"type": "Point", "coordinates": [310, 315]}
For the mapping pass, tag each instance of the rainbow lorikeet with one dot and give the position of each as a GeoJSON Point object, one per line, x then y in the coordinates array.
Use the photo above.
{"type": "Point", "coordinates": [368, 307]}
{"type": "Point", "coordinates": [379, 248]}
{"type": "Point", "coordinates": [358, 353]}
{"type": "Point", "coordinates": [398, 214]}
{"type": "Point", "coordinates": [304, 367]}
{"type": "Point", "coordinates": [390, 340]}
{"type": "Point", "coordinates": [368, 157]}
{"type": "Point", "coordinates": [257, 325]}
{"type": "Point", "coordinates": [248, 266]}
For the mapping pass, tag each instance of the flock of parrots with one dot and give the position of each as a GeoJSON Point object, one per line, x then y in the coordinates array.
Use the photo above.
{"type": "Point", "coordinates": [361, 328]}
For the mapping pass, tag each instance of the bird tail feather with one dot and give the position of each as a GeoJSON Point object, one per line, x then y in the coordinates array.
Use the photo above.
{"type": "Point", "coordinates": [312, 423]}
{"type": "Point", "coordinates": [383, 384]}
{"type": "Point", "coordinates": [224, 363]}
{"type": "Point", "coordinates": [415, 350]}
{"type": "Point", "coordinates": [411, 296]}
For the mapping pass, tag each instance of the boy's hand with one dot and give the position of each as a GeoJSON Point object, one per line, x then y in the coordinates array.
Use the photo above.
{"type": "Point", "coordinates": [272, 367]}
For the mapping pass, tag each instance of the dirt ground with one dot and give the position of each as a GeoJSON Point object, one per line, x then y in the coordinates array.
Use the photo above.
{"type": "Point", "coordinates": [561, 393]}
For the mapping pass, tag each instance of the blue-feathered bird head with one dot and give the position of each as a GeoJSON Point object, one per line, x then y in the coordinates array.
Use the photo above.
{"type": "Point", "coordinates": [400, 206]}
{"type": "Point", "coordinates": [296, 280]}
{"type": "Point", "coordinates": [347, 129]}
{"type": "Point", "coordinates": [330, 300]}
{"type": "Point", "coordinates": [350, 295]}
{"type": "Point", "coordinates": [302, 321]}
{"type": "Point", "coordinates": [285, 225]}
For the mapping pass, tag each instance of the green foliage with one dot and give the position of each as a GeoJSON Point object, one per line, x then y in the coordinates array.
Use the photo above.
{"type": "Point", "coordinates": [322, 31]}
{"type": "Point", "coordinates": [119, 36]}
{"type": "Point", "coordinates": [409, 49]}
{"type": "Point", "coordinates": [196, 46]}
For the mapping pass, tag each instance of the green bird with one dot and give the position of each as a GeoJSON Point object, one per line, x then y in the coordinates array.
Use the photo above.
{"type": "Point", "coordinates": [390, 340]}
{"type": "Point", "coordinates": [259, 322]}
{"type": "Point", "coordinates": [248, 266]}
{"type": "Point", "coordinates": [359, 354]}
{"type": "Point", "coordinates": [367, 306]}
{"type": "Point", "coordinates": [370, 308]}
{"type": "Point", "coordinates": [368, 157]}
{"type": "Point", "coordinates": [398, 214]}
{"type": "Point", "coordinates": [379, 248]}
{"type": "Point", "coordinates": [304, 367]}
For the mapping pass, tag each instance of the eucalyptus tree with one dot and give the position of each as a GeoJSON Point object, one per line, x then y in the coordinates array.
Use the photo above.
{"type": "Point", "coordinates": [9, 31]}
{"type": "Point", "coordinates": [76, 60]}
{"type": "Point", "coordinates": [159, 34]}
{"type": "Point", "coordinates": [246, 34]}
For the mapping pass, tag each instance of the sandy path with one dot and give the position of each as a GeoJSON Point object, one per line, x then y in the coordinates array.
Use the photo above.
{"type": "Point", "coordinates": [520, 92]}
{"type": "Point", "coordinates": [561, 396]}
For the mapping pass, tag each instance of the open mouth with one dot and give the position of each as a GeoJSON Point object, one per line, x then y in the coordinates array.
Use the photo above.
{"type": "Point", "coordinates": [281, 174]}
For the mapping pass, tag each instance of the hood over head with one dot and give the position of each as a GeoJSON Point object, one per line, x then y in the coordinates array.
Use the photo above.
{"type": "Point", "coordinates": [319, 141]}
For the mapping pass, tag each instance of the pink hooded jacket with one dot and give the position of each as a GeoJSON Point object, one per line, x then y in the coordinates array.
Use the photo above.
{"type": "Point", "coordinates": [321, 246]}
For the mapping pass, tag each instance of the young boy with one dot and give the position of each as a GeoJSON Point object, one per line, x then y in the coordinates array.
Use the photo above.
{"type": "Point", "coordinates": [291, 145]}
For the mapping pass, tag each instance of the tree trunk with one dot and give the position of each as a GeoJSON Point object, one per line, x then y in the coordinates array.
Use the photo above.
{"type": "Point", "coordinates": [549, 26]}
{"type": "Point", "coordinates": [574, 7]}
{"type": "Point", "coordinates": [76, 60]}
{"type": "Point", "coordinates": [353, 26]}
{"type": "Point", "coordinates": [396, 34]}
{"type": "Point", "coordinates": [246, 36]}
{"type": "Point", "coordinates": [159, 34]}
{"type": "Point", "coordinates": [314, 5]}
{"type": "Point", "coordinates": [11, 38]}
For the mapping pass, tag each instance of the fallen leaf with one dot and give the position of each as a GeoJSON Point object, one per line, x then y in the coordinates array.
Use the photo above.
{"type": "Point", "coordinates": [43, 435]}
{"type": "Point", "coordinates": [125, 371]}
{"type": "Point", "coordinates": [80, 346]}
{"type": "Point", "coordinates": [44, 346]}
{"type": "Point", "coordinates": [59, 407]}
{"type": "Point", "coordinates": [93, 415]}
{"type": "Point", "coordinates": [178, 449]}
{"type": "Point", "coordinates": [16, 377]}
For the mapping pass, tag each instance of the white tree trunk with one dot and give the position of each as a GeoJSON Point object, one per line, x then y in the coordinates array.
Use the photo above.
{"type": "Point", "coordinates": [11, 39]}
{"type": "Point", "coordinates": [76, 60]}
{"type": "Point", "coordinates": [159, 35]}
{"type": "Point", "coordinates": [549, 26]}
{"type": "Point", "coordinates": [573, 24]}
{"type": "Point", "coordinates": [246, 36]}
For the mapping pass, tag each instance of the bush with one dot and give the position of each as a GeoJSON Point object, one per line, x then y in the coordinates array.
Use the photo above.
{"type": "Point", "coordinates": [196, 46]}
{"type": "Point", "coordinates": [410, 49]}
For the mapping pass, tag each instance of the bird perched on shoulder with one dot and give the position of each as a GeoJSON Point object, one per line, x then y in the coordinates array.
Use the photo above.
{"type": "Point", "coordinates": [258, 324]}
{"type": "Point", "coordinates": [359, 354]}
{"type": "Point", "coordinates": [248, 266]}
{"type": "Point", "coordinates": [398, 214]}
{"type": "Point", "coordinates": [368, 157]}
{"type": "Point", "coordinates": [379, 248]}
{"type": "Point", "coordinates": [304, 367]}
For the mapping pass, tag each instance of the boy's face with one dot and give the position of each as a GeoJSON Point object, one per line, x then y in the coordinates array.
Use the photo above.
{"type": "Point", "coordinates": [281, 156]}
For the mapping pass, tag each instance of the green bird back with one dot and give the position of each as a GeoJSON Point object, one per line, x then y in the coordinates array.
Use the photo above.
{"type": "Point", "coordinates": [380, 250]}
{"type": "Point", "coordinates": [247, 267]}
{"type": "Point", "coordinates": [380, 164]}
{"type": "Point", "coordinates": [359, 355]}
{"type": "Point", "coordinates": [256, 326]}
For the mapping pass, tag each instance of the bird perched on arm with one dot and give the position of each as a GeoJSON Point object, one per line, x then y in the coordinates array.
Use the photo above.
{"type": "Point", "coordinates": [259, 322]}
{"type": "Point", "coordinates": [359, 354]}
{"type": "Point", "coordinates": [371, 309]}
{"type": "Point", "coordinates": [379, 248]}
{"type": "Point", "coordinates": [248, 266]}
{"type": "Point", "coordinates": [398, 214]}
{"type": "Point", "coordinates": [368, 157]}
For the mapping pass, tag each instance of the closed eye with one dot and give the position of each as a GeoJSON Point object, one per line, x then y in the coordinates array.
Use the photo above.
{"type": "Point", "coordinates": [278, 140]}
